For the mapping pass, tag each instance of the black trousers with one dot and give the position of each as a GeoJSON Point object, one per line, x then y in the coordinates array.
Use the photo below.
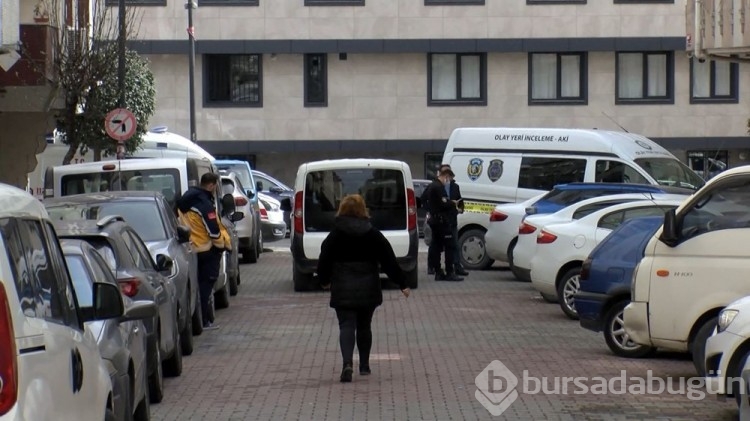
{"type": "Point", "coordinates": [208, 272]}
{"type": "Point", "coordinates": [355, 327]}
{"type": "Point", "coordinates": [442, 240]}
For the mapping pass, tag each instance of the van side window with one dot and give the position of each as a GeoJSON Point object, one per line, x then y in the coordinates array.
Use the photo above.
{"type": "Point", "coordinates": [18, 266]}
{"type": "Point", "coordinates": [546, 173]}
{"type": "Point", "coordinates": [617, 172]}
{"type": "Point", "coordinates": [726, 207]}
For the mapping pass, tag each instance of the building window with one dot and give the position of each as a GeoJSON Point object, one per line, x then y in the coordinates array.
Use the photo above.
{"type": "Point", "coordinates": [316, 80]}
{"type": "Point", "coordinates": [457, 79]}
{"type": "Point", "coordinates": [645, 78]}
{"type": "Point", "coordinates": [453, 2]}
{"type": "Point", "coordinates": [557, 78]}
{"type": "Point", "coordinates": [432, 162]}
{"type": "Point", "coordinates": [555, 1]}
{"type": "Point", "coordinates": [233, 80]}
{"type": "Point", "coordinates": [713, 82]}
{"type": "Point", "coordinates": [334, 2]}
{"type": "Point", "coordinates": [708, 164]}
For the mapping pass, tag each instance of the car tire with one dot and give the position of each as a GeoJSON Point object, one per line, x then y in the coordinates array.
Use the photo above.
{"type": "Point", "coordinates": [698, 346]}
{"type": "Point", "coordinates": [247, 254]}
{"type": "Point", "coordinates": [173, 365]}
{"type": "Point", "coordinates": [156, 379]}
{"type": "Point", "coordinates": [221, 298]}
{"type": "Point", "coordinates": [127, 401]}
{"type": "Point", "coordinates": [186, 337]}
{"type": "Point", "coordinates": [109, 415]}
{"type": "Point", "coordinates": [512, 267]}
{"type": "Point", "coordinates": [233, 289]}
{"type": "Point", "coordinates": [255, 250]}
{"type": "Point", "coordinates": [239, 281]}
{"type": "Point", "coordinates": [197, 322]}
{"type": "Point", "coordinates": [303, 282]}
{"type": "Point", "coordinates": [617, 340]}
{"type": "Point", "coordinates": [412, 278]}
{"type": "Point", "coordinates": [143, 410]}
{"type": "Point", "coordinates": [566, 289]}
{"type": "Point", "coordinates": [471, 244]}
{"type": "Point", "coordinates": [552, 299]}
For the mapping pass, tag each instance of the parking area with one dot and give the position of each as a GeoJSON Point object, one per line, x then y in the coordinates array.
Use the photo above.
{"type": "Point", "coordinates": [276, 356]}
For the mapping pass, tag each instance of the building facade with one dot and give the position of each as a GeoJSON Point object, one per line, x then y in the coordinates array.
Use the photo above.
{"type": "Point", "coordinates": [282, 82]}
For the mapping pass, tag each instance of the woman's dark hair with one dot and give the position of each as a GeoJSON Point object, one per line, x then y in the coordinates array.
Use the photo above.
{"type": "Point", "coordinates": [353, 205]}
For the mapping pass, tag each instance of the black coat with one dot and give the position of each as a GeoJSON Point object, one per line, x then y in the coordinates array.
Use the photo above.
{"type": "Point", "coordinates": [350, 261]}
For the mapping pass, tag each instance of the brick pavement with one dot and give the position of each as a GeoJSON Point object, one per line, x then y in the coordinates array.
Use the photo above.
{"type": "Point", "coordinates": [276, 357]}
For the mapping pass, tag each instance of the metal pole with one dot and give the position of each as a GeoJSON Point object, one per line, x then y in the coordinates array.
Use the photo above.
{"type": "Point", "coordinates": [191, 38]}
{"type": "Point", "coordinates": [121, 67]}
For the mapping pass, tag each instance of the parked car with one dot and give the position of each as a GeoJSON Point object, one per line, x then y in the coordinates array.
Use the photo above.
{"type": "Point", "coordinates": [139, 278]}
{"type": "Point", "coordinates": [121, 341]}
{"type": "Point", "coordinates": [231, 261]}
{"type": "Point", "coordinates": [248, 229]}
{"type": "Point", "coordinates": [50, 366]}
{"type": "Point", "coordinates": [728, 349]}
{"type": "Point", "coordinates": [562, 247]}
{"type": "Point", "coordinates": [271, 218]}
{"type": "Point", "coordinates": [149, 214]}
{"type": "Point", "coordinates": [247, 178]}
{"type": "Point", "coordinates": [272, 187]}
{"type": "Point", "coordinates": [605, 284]}
{"type": "Point", "coordinates": [419, 187]}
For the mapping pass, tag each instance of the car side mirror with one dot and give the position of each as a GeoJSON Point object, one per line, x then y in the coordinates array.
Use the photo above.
{"type": "Point", "coordinates": [237, 216]}
{"type": "Point", "coordinates": [139, 310]}
{"type": "Point", "coordinates": [164, 263]}
{"type": "Point", "coordinates": [183, 234]}
{"type": "Point", "coordinates": [286, 204]}
{"type": "Point", "coordinates": [259, 185]}
{"type": "Point", "coordinates": [669, 233]}
{"type": "Point", "coordinates": [276, 189]}
{"type": "Point", "coordinates": [250, 194]}
{"type": "Point", "coordinates": [107, 303]}
{"type": "Point", "coordinates": [227, 204]}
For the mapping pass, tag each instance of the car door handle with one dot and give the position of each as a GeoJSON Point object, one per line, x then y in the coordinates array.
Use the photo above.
{"type": "Point", "coordinates": [76, 370]}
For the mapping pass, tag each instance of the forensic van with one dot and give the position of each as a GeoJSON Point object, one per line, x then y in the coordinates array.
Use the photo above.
{"type": "Point", "coordinates": [510, 165]}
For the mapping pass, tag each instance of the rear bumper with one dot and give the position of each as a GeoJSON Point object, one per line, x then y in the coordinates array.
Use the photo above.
{"type": "Point", "coordinates": [589, 308]}
{"type": "Point", "coordinates": [273, 231]}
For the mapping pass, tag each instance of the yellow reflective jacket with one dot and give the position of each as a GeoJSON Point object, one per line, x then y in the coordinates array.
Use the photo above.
{"type": "Point", "coordinates": [196, 210]}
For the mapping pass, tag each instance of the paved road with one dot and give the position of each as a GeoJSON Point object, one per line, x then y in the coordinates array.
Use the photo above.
{"type": "Point", "coordinates": [276, 357]}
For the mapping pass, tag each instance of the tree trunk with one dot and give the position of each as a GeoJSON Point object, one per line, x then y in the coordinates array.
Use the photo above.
{"type": "Point", "coordinates": [70, 115]}
{"type": "Point", "coordinates": [97, 154]}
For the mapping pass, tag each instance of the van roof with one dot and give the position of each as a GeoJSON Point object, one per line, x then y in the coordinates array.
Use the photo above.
{"type": "Point", "coordinates": [128, 164]}
{"type": "Point", "coordinates": [17, 202]}
{"type": "Point", "coordinates": [519, 139]}
{"type": "Point", "coordinates": [353, 163]}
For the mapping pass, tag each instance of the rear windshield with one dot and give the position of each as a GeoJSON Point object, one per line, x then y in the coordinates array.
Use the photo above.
{"type": "Point", "coordinates": [383, 191]}
{"type": "Point", "coordinates": [163, 180]}
{"type": "Point", "coordinates": [144, 217]}
{"type": "Point", "coordinates": [242, 173]}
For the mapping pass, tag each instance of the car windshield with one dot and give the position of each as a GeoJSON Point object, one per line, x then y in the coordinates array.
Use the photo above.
{"type": "Point", "coordinates": [671, 172]}
{"type": "Point", "coordinates": [240, 169]}
{"type": "Point", "coordinates": [81, 280]}
{"type": "Point", "coordinates": [163, 180]}
{"type": "Point", "coordinates": [144, 217]}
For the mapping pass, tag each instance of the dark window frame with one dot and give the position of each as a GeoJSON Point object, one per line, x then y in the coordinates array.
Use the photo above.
{"type": "Point", "coordinates": [324, 61]}
{"type": "Point", "coordinates": [734, 86]}
{"type": "Point", "coordinates": [454, 2]}
{"type": "Point", "coordinates": [582, 99]}
{"type": "Point", "coordinates": [334, 2]}
{"type": "Point", "coordinates": [207, 103]}
{"type": "Point", "coordinates": [251, 3]}
{"type": "Point", "coordinates": [534, 2]}
{"type": "Point", "coordinates": [645, 100]}
{"type": "Point", "coordinates": [481, 101]}
{"type": "Point", "coordinates": [115, 3]}
{"type": "Point", "coordinates": [642, 1]}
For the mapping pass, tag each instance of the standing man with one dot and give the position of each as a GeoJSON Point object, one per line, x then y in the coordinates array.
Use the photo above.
{"type": "Point", "coordinates": [208, 236]}
{"type": "Point", "coordinates": [454, 194]}
{"type": "Point", "coordinates": [440, 207]}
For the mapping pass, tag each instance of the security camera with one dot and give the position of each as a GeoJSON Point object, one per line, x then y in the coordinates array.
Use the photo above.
{"type": "Point", "coordinates": [702, 60]}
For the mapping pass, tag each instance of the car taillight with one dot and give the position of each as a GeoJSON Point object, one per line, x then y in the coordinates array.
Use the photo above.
{"type": "Point", "coordinates": [497, 216]}
{"type": "Point", "coordinates": [545, 237]}
{"type": "Point", "coordinates": [263, 213]}
{"type": "Point", "coordinates": [411, 203]}
{"type": "Point", "coordinates": [586, 269]}
{"type": "Point", "coordinates": [297, 214]}
{"type": "Point", "coordinates": [526, 228]}
{"type": "Point", "coordinates": [240, 201]}
{"type": "Point", "coordinates": [8, 359]}
{"type": "Point", "coordinates": [129, 287]}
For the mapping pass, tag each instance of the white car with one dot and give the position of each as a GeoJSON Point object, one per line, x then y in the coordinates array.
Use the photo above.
{"type": "Point", "coordinates": [562, 247]}
{"type": "Point", "coordinates": [272, 223]}
{"type": "Point", "coordinates": [728, 349]}
{"type": "Point", "coordinates": [50, 366]}
{"type": "Point", "coordinates": [503, 229]}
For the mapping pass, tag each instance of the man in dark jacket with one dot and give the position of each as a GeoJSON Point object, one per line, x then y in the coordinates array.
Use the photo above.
{"type": "Point", "coordinates": [349, 264]}
{"type": "Point", "coordinates": [441, 209]}
{"type": "Point", "coordinates": [454, 194]}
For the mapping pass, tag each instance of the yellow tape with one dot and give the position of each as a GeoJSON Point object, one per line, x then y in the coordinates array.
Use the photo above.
{"type": "Point", "coordinates": [479, 207]}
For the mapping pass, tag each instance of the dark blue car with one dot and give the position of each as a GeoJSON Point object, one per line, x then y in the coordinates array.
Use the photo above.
{"type": "Point", "coordinates": [605, 283]}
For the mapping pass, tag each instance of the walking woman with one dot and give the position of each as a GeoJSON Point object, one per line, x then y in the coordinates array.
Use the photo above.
{"type": "Point", "coordinates": [349, 264]}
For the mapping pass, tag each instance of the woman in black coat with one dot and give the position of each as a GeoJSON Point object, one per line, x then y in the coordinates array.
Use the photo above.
{"type": "Point", "coordinates": [349, 264]}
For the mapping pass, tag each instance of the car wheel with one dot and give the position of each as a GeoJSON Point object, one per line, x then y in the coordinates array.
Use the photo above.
{"type": "Point", "coordinates": [109, 415]}
{"type": "Point", "coordinates": [143, 410]}
{"type": "Point", "coordinates": [617, 339]}
{"type": "Point", "coordinates": [698, 347]}
{"type": "Point", "coordinates": [156, 379]}
{"type": "Point", "coordinates": [472, 250]}
{"type": "Point", "coordinates": [221, 298]}
{"type": "Point", "coordinates": [737, 384]}
{"type": "Point", "coordinates": [302, 281]}
{"type": "Point", "coordinates": [552, 299]}
{"type": "Point", "coordinates": [247, 255]}
{"type": "Point", "coordinates": [186, 337]}
{"type": "Point", "coordinates": [412, 278]}
{"type": "Point", "coordinates": [516, 274]}
{"type": "Point", "coordinates": [233, 290]}
{"type": "Point", "coordinates": [254, 253]}
{"type": "Point", "coordinates": [197, 322]}
{"type": "Point", "coordinates": [568, 287]}
{"type": "Point", "coordinates": [239, 281]}
{"type": "Point", "coordinates": [173, 365]}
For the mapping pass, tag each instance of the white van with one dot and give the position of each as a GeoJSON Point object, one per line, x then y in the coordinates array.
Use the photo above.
{"type": "Point", "coordinates": [693, 266]}
{"type": "Point", "coordinates": [387, 188]}
{"type": "Point", "coordinates": [157, 143]}
{"type": "Point", "coordinates": [510, 165]}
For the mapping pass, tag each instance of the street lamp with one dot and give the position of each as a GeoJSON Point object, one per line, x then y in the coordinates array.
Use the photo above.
{"type": "Point", "coordinates": [190, 5]}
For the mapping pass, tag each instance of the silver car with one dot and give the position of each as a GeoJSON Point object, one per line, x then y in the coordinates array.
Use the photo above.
{"type": "Point", "coordinates": [121, 341]}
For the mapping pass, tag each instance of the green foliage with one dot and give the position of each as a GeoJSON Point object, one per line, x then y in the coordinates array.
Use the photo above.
{"type": "Point", "coordinates": [87, 131]}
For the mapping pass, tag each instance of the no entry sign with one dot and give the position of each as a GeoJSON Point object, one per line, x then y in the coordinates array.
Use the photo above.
{"type": "Point", "coordinates": [120, 124]}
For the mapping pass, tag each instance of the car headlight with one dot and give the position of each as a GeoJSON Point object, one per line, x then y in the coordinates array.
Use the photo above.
{"type": "Point", "coordinates": [726, 317]}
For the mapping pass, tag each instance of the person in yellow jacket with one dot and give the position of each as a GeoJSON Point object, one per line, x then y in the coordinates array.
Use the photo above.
{"type": "Point", "coordinates": [208, 236]}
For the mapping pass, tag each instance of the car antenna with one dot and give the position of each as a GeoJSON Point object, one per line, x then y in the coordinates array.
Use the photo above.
{"type": "Point", "coordinates": [616, 123]}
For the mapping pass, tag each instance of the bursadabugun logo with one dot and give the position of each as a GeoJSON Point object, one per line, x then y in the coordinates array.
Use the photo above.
{"type": "Point", "coordinates": [496, 388]}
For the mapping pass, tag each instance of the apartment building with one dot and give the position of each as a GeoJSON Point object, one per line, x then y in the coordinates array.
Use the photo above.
{"type": "Point", "coordinates": [281, 82]}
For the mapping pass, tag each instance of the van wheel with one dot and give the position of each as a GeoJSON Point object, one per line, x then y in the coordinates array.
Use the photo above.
{"type": "Point", "coordinates": [617, 340]}
{"type": "Point", "coordinates": [302, 281]}
{"type": "Point", "coordinates": [698, 347]}
{"type": "Point", "coordinates": [566, 291]}
{"type": "Point", "coordinates": [412, 278]}
{"type": "Point", "coordinates": [221, 298]}
{"type": "Point", "coordinates": [472, 250]}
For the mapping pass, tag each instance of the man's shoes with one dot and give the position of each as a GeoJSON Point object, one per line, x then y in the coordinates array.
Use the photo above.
{"type": "Point", "coordinates": [210, 326]}
{"type": "Point", "coordinates": [346, 373]}
{"type": "Point", "coordinates": [461, 271]}
{"type": "Point", "coordinates": [453, 277]}
{"type": "Point", "coordinates": [439, 275]}
{"type": "Point", "coordinates": [364, 370]}
{"type": "Point", "coordinates": [430, 271]}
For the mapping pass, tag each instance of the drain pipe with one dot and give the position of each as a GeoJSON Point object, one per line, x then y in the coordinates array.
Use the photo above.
{"type": "Point", "coordinates": [698, 42]}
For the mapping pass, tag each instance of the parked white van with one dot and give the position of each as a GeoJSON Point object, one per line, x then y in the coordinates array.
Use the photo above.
{"type": "Point", "coordinates": [388, 190]}
{"type": "Point", "coordinates": [50, 366]}
{"type": "Point", "coordinates": [694, 265]}
{"type": "Point", "coordinates": [510, 165]}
